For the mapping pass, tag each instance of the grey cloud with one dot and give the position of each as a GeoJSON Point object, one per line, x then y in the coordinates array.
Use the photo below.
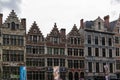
{"type": "Point", "coordinates": [114, 2]}
{"type": "Point", "coordinates": [10, 5]}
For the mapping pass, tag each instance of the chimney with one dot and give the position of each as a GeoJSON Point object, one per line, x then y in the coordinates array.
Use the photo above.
{"type": "Point", "coordinates": [106, 19]}
{"type": "Point", "coordinates": [81, 24]}
{"type": "Point", "coordinates": [62, 31]}
{"type": "Point", "coordinates": [1, 17]}
{"type": "Point", "coordinates": [23, 22]}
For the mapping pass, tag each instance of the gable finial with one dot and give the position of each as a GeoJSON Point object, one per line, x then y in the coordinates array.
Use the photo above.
{"type": "Point", "coordinates": [55, 25]}
{"type": "Point", "coordinates": [12, 10]}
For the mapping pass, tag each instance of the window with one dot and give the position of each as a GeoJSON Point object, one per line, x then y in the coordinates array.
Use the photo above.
{"type": "Point", "coordinates": [118, 64]}
{"type": "Point", "coordinates": [81, 63]}
{"type": "Point", "coordinates": [70, 64]}
{"type": "Point", "coordinates": [56, 62]}
{"type": "Point", "coordinates": [110, 53]}
{"type": "Point", "coordinates": [35, 75]}
{"type": "Point", "coordinates": [89, 51]}
{"type": "Point", "coordinates": [110, 42]}
{"type": "Point", "coordinates": [13, 40]}
{"type": "Point", "coordinates": [13, 26]}
{"type": "Point", "coordinates": [78, 40]}
{"type": "Point", "coordinates": [7, 71]}
{"type": "Point", "coordinates": [96, 40]}
{"type": "Point", "coordinates": [56, 51]}
{"type": "Point", "coordinates": [117, 51]}
{"type": "Point", "coordinates": [75, 40]}
{"type": "Point", "coordinates": [71, 40]}
{"type": "Point", "coordinates": [41, 49]}
{"type": "Point", "coordinates": [96, 52]}
{"type": "Point", "coordinates": [75, 52]}
{"type": "Point", "coordinates": [111, 68]}
{"type": "Point", "coordinates": [30, 37]}
{"type": "Point", "coordinates": [55, 40]}
{"type": "Point", "coordinates": [13, 55]}
{"type": "Point", "coordinates": [20, 40]}
{"type": "Point", "coordinates": [35, 50]}
{"type": "Point", "coordinates": [97, 67]}
{"type": "Point", "coordinates": [35, 62]}
{"type": "Point", "coordinates": [99, 25]}
{"type": "Point", "coordinates": [6, 39]}
{"type": "Point", "coordinates": [70, 51]}
{"type": "Point", "coordinates": [62, 62]}
{"type": "Point", "coordinates": [75, 63]}
{"type": "Point", "coordinates": [90, 66]}
{"type": "Point", "coordinates": [103, 40]}
{"type": "Point", "coordinates": [116, 39]}
{"type": "Point", "coordinates": [62, 51]}
{"type": "Point", "coordinates": [49, 50]}
{"type": "Point", "coordinates": [49, 62]}
{"type": "Point", "coordinates": [49, 76]}
{"type": "Point", "coordinates": [89, 39]}
{"type": "Point", "coordinates": [103, 52]}
{"type": "Point", "coordinates": [81, 52]}
{"type": "Point", "coordinates": [41, 38]}
{"type": "Point", "coordinates": [35, 38]}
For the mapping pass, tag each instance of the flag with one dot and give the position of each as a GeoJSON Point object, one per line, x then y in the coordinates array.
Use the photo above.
{"type": "Point", "coordinates": [23, 73]}
{"type": "Point", "coordinates": [106, 69]}
{"type": "Point", "coordinates": [56, 73]}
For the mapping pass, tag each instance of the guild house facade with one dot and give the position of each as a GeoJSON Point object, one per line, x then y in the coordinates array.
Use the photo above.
{"type": "Point", "coordinates": [82, 53]}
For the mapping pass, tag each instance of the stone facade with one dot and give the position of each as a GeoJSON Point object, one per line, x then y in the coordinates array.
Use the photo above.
{"type": "Point", "coordinates": [81, 54]}
{"type": "Point", "coordinates": [12, 47]}
{"type": "Point", "coordinates": [99, 49]}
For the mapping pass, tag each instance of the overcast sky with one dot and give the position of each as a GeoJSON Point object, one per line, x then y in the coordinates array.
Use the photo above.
{"type": "Point", "coordinates": [65, 13]}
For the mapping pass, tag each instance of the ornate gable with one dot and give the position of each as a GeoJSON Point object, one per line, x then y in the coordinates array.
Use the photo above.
{"type": "Point", "coordinates": [12, 17]}
{"type": "Point", "coordinates": [54, 37]}
{"type": "Point", "coordinates": [34, 35]}
{"type": "Point", "coordinates": [74, 37]}
{"type": "Point", "coordinates": [12, 22]}
{"type": "Point", "coordinates": [34, 30]}
{"type": "Point", "coordinates": [74, 31]}
{"type": "Point", "coordinates": [55, 31]}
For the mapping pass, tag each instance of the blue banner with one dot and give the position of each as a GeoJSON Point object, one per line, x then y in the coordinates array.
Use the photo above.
{"type": "Point", "coordinates": [23, 73]}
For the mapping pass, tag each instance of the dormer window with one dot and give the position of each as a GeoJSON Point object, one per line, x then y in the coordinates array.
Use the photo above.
{"type": "Point", "coordinates": [99, 25]}
{"type": "Point", "coordinates": [13, 26]}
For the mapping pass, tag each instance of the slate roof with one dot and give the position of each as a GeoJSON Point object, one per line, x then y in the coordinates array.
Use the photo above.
{"type": "Point", "coordinates": [89, 24]}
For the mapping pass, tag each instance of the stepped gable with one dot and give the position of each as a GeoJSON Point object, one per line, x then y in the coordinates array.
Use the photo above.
{"type": "Point", "coordinates": [34, 35]}
{"type": "Point", "coordinates": [75, 34]}
{"type": "Point", "coordinates": [12, 17]}
{"type": "Point", "coordinates": [54, 32]}
{"type": "Point", "coordinates": [74, 31]}
{"type": "Point", "coordinates": [34, 30]}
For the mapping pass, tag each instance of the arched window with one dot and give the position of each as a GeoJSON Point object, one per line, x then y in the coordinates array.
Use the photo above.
{"type": "Point", "coordinates": [70, 76]}
{"type": "Point", "coordinates": [76, 76]}
{"type": "Point", "coordinates": [13, 26]}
